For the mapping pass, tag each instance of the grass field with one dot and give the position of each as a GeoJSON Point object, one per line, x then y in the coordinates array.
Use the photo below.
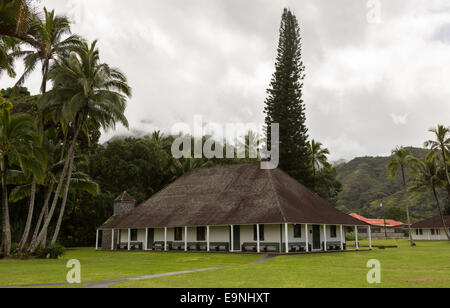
{"type": "Point", "coordinates": [100, 265]}
{"type": "Point", "coordinates": [427, 265]}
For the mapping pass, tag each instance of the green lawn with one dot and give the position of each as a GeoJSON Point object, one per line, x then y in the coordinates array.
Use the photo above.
{"type": "Point", "coordinates": [427, 265]}
{"type": "Point", "coordinates": [100, 266]}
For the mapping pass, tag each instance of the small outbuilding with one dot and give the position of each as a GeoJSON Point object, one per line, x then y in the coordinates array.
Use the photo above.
{"type": "Point", "coordinates": [233, 208]}
{"type": "Point", "coordinates": [431, 229]}
{"type": "Point", "coordinates": [382, 228]}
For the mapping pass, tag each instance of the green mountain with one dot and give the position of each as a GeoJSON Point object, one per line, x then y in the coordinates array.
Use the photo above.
{"type": "Point", "coordinates": [366, 183]}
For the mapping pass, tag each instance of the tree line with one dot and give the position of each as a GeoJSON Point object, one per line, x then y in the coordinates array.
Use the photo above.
{"type": "Point", "coordinates": [60, 181]}
{"type": "Point", "coordinates": [38, 151]}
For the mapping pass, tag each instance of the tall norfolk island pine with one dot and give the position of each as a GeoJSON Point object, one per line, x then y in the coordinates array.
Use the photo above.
{"type": "Point", "coordinates": [284, 104]}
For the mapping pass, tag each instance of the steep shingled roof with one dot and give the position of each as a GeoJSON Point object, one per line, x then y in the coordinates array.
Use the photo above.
{"type": "Point", "coordinates": [433, 222]}
{"type": "Point", "coordinates": [232, 194]}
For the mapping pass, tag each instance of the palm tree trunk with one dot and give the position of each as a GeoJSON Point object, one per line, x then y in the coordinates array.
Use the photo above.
{"type": "Point", "coordinates": [63, 205]}
{"type": "Point", "coordinates": [44, 236]}
{"type": "Point", "coordinates": [314, 172]}
{"type": "Point", "coordinates": [444, 157]}
{"type": "Point", "coordinates": [47, 195]}
{"type": "Point", "coordinates": [44, 210]}
{"type": "Point", "coordinates": [19, 15]}
{"type": "Point", "coordinates": [447, 209]}
{"type": "Point", "coordinates": [440, 212]}
{"type": "Point", "coordinates": [26, 231]}
{"type": "Point", "coordinates": [44, 76]}
{"type": "Point", "coordinates": [6, 227]}
{"type": "Point", "coordinates": [408, 218]}
{"type": "Point", "coordinates": [35, 243]}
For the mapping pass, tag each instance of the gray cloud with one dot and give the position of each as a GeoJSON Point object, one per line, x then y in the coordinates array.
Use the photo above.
{"type": "Point", "coordinates": [369, 87]}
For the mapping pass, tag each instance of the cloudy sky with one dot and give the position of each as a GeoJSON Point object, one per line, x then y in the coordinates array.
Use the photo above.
{"type": "Point", "coordinates": [378, 71]}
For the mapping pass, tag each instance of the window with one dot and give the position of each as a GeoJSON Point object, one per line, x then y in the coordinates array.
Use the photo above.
{"type": "Point", "coordinates": [438, 232]}
{"type": "Point", "coordinates": [376, 230]}
{"type": "Point", "coordinates": [134, 233]}
{"type": "Point", "coordinates": [364, 230]}
{"type": "Point", "coordinates": [261, 233]}
{"type": "Point", "coordinates": [421, 231]}
{"type": "Point", "coordinates": [432, 231]}
{"type": "Point", "coordinates": [398, 230]}
{"type": "Point", "coordinates": [178, 236]}
{"type": "Point", "coordinates": [417, 231]}
{"type": "Point", "coordinates": [333, 231]}
{"type": "Point", "coordinates": [201, 233]}
{"type": "Point", "coordinates": [297, 231]}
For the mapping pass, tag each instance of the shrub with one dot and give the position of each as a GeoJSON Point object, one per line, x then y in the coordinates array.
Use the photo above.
{"type": "Point", "coordinates": [41, 252]}
{"type": "Point", "coordinates": [56, 251]}
{"type": "Point", "coordinates": [53, 253]}
{"type": "Point", "coordinates": [350, 236]}
{"type": "Point", "coordinates": [14, 246]}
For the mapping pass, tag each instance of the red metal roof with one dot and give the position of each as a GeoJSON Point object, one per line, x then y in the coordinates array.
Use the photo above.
{"type": "Point", "coordinates": [378, 222]}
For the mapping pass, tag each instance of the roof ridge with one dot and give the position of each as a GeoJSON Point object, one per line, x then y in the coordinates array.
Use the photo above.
{"type": "Point", "coordinates": [276, 195]}
{"type": "Point", "coordinates": [124, 196]}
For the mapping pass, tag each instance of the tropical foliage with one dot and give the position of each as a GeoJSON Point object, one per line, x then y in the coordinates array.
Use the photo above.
{"type": "Point", "coordinates": [63, 186]}
{"type": "Point", "coordinates": [39, 147]}
{"type": "Point", "coordinates": [418, 183]}
{"type": "Point", "coordinates": [402, 160]}
{"type": "Point", "coordinates": [428, 179]}
{"type": "Point", "coordinates": [366, 182]}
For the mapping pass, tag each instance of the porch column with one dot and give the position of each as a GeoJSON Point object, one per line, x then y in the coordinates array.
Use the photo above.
{"type": "Point", "coordinates": [306, 238]}
{"type": "Point", "coordinates": [129, 239]}
{"type": "Point", "coordinates": [96, 240]}
{"type": "Point", "coordinates": [146, 239]}
{"type": "Point", "coordinates": [112, 239]}
{"type": "Point", "coordinates": [258, 246]}
{"type": "Point", "coordinates": [342, 237]}
{"type": "Point", "coordinates": [356, 238]}
{"type": "Point", "coordinates": [185, 239]}
{"type": "Point", "coordinates": [207, 239]}
{"type": "Point", "coordinates": [232, 238]}
{"type": "Point", "coordinates": [286, 237]}
{"type": "Point", "coordinates": [370, 237]}
{"type": "Point", "coordinates": [324, 237]}
{"type": "Point", "coordinates": [165, 238]}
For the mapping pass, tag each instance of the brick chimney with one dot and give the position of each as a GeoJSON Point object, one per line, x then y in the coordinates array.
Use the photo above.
{"type": "Point", "coordinates": [123, 204]}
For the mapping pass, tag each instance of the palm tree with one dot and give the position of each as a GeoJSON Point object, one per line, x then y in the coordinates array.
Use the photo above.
{"type": "Point", "coordinates": [16, 17]}
{"type": "Point", "coordinates": [17, 140]}
{"type": "Point", "coordinates": [402, 159]}
{"type": "Point", "coordinates": [441, 144]}
{"type": "Point", "coordinates": [9, 48]}
{"type": "Point", "coordinates": [80, 182]}
{"type": "Point", "coordinates": [47, 38]}
{"type": "Point", "coordinates": [85, 90]}
{"type": "Point", "coordinates": [428, 179]}
{"type": "Point", "coordinates": [318, 156]}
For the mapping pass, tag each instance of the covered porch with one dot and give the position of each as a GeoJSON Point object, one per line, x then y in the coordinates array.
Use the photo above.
{"type": "Point", "coordinates": [257, 238]}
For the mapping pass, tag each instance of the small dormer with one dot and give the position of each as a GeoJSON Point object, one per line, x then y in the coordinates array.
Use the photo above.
{"type": "Point", "coordinates": [123, 204]}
